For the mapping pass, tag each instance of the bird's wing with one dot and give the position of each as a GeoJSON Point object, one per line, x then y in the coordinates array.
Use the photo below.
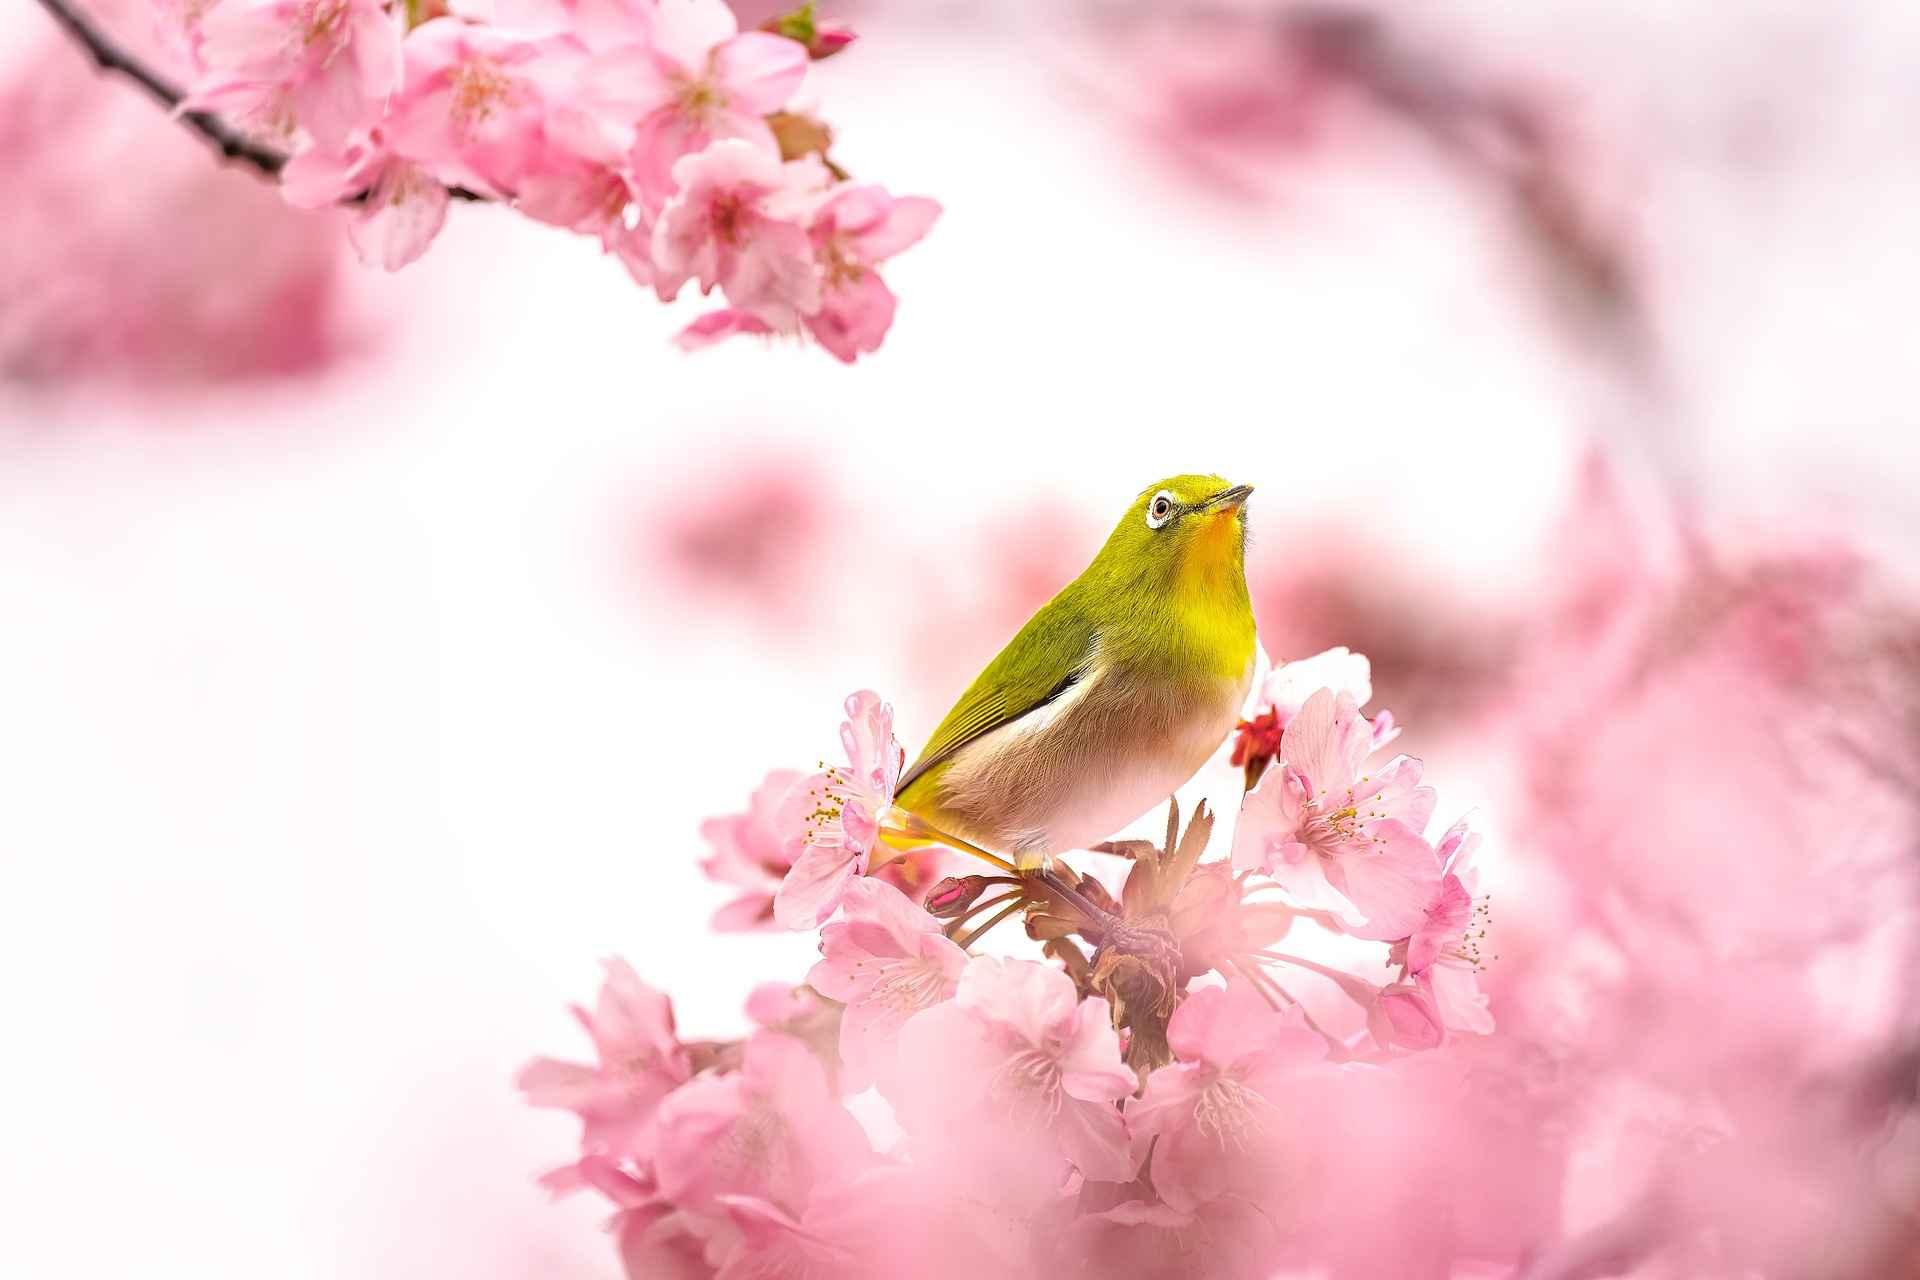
{"type": "Point", "coordinates": [1048, 657]}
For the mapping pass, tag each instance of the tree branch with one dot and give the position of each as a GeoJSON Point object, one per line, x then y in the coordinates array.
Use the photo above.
{"type": "Point", "coordinates": [110, 57]}
{"type": "Point", "coordinates": [230, 142]}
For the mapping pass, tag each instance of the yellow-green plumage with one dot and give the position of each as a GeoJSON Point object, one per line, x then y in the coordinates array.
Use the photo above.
{"type": "Point", "coordinates": [1112, 695]}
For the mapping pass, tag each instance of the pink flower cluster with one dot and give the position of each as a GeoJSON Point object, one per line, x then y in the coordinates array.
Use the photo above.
{"type": "Point", "coordinates": [1144, 1099]}
{"type": "Point", "coordinates": [656, 126]}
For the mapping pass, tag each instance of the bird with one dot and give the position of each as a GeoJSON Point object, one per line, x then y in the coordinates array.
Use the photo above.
{"type": "Point", "coordinates": [1112, 695]}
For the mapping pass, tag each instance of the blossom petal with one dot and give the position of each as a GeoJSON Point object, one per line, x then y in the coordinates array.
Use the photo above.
{"type": "Point", "coordinates": [686, 31]}
{"type": "Point", "coordinates": [1390, 881]}
{"type": "Point", "coordinates": [718, 326]}
{"type": "Point", "coordinates": [1328, 740]}
{"type": "Point", "coordinates": [813, 888]}
{"type": "Point", "coordinates": [759, 72]}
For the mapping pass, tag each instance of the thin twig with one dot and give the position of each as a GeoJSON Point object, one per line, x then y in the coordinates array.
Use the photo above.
{"type": "Point", "coordinates": [981, 932]}
{"type": "Point", "coordinates": [959, 922]}
{"type": "Point", "coordinates": [110, 57]}
{"type": "Point", "coordinates": [230, 142]}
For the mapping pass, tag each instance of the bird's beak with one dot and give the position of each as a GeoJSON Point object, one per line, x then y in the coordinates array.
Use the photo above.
{"type": "Point", "coordinates": [1230, 499]}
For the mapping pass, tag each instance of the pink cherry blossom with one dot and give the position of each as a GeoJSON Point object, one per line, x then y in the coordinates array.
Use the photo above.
{"type": "Point", "coordinates": [1018, 1075]}
{"type": "Point", "coordinates": [773, 1129]}
{"type": "Point", "coordinates": [1212, 1120]}
{"type": "Point", "coordinates": [598, 25]}
{"type": "Point", "coordinates": [779, 1005]}
{"type": "Point", "coordinates": [885, 959]}
{"type": "Point", "coordinates": [325, 66]}
{"type": "Point", "coordinates": [849, 1229]}
{"type": "Point", "coordinates": [1454, 992]}
{"type": "Point", "coordinates": [854, 230]}
{"type": "Point", "coordinates": [588, 115]}
{"type": "Point", "coordinates": [470, 108]}
{"type": "Point", "coordinates": [1316, 823]}
{"type": "Point", "coordinates": [640, 1063]}
{"type": "Point", "coordinates": [657, 1242]}
{"type": "Point", "coordinates": [1403, 1015]}
{"type": "Point", "coordinates": [575, 177]}
{"type": "Point", "coordinates": [845, 824]}
{"type": "Point", "coordinates": [1287, 687]}
{"type": "Point", "coordinates": [1442, 955]}
{"type": "Point", "coordinates": [1224, 1239]}
{"type": "Point", "coordinates": [696, 80]}
{"type": "Point", "coordinates": [402, 209]}
{"type": "Point", "coordinates": [733, 224]}
{"type": "Point", "coordinates": [1450, 914]}
{"type": "Point", "coordinates": [717, 326]}
{"type": "Point", "coordinates": [754, 850]}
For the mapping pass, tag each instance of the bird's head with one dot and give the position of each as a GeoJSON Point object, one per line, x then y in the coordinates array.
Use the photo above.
{"type": "Point", "coordinates": [1182, 532]}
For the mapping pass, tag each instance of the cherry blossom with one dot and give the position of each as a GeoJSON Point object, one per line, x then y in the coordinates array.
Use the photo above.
{"type": "Point", "coordinates": [1316, 823]}
{"type": "Point", "coordinates": [847, 1230]}
{"type": "Point", "coordinates": [732, 224]}
{"type": "Point", "coordinates": [845, 823]}
{"type": "Point", "coordinates": [657, 127]}
{"type": "Point", "coordinates": [1224, 1239]}
{"type": "Point", "coordinates": [640, 1063]}
{"type": "Point", "coordinates": [576, 178]}
{"type": "Point", "coordinates": [754, 850]}
{"type": "Point", "coordinates": [1211, 1119]}
{"type": "Point", "coordinates": [1443, 954]}
{"type": "Point", "coordinates": [1018, 1060]}
{"type": "Point", "coordinates": [885, 959]}
{"type": "Point", "coordinates": [698, 79]}
{"type": "Point", "coordinates": [771, 1130]}
{"type": "Point", "coordinates": [1445, 932]}
{"type": "Point", "coordinates": [403, 207]}
{"type": "Point", "coordinates": [471, 102]}
{"type": "Point", "coordinates": [324, 66]}
{"type": "Point", "coordinates": [718, 326]}
{"type": "Point", "coordinates": [854, 230]}
{"type": "Point", "coordinates": [1287, 688]}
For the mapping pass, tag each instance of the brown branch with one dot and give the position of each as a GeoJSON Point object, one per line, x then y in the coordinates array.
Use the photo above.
{"type": "Point", "coordinates": [230, 142]}
{"type": "Point", "coordinates": [110, 57]}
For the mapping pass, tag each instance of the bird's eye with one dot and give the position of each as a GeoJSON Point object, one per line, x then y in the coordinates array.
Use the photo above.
{"type": "Point", "coordinates": [1159, 509]}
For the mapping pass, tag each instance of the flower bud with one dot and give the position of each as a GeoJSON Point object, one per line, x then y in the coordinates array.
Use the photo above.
{"type": "Point", "coordinates": [1402, 1015]}
{"type": "Point", "coordinates": [1256, 743]}
{"type": "Point", "coordinates": [954, 894]}
{"type": "Point", "coordinates": [822, 40]}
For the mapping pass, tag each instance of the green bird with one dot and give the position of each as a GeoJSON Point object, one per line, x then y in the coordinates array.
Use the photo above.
{"type": "Point", "coordinates": [1111, 696]}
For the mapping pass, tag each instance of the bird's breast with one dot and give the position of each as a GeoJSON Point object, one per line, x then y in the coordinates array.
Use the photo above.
{"type": "Point", "coordinates": [1074, 772]}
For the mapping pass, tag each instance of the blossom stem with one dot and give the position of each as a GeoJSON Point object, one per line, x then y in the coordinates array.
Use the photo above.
{"type": "Point", "coordinates": [1070, 895]}
{"type": "Point", "coordinates": [973, 912]}
{"type": "Point", "coordinates": [1264, 983]}
{"type": "Point", "coordinates": [110, 57]}
{"type": "Point", "coordinates": [998, 916]}
{"type": "Point", "coordinates": [1261, 983]}
{"type": "Point", "coordinates": [1353, 988]}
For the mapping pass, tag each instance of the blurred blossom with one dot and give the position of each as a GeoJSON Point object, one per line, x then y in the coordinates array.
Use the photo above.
{"type": "Point", "coordinates": [129, 251]}
{"type": "Point", "coordinates": [756, 538]}
{"type": "Point", "coordinates": [1242, 96]}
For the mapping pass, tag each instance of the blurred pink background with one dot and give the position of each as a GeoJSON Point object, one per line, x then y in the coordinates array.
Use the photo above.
{"type": "Point", "coordinates": [374, 645]}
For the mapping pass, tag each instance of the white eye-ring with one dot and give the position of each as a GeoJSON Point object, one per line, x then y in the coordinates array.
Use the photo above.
{"type": "Point", "coordinates": [1160, 510]}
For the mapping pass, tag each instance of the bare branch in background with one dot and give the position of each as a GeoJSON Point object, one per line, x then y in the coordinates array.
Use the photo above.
{"type": "Point", "coordinates": [1502, 137]}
